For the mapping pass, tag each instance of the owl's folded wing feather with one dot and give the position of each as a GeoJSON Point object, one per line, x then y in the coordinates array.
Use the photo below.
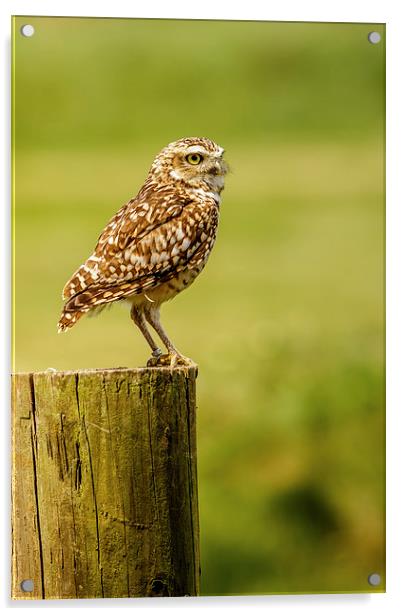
{"type": "Point", "coordinates": [149, 244]}
{"type": "Point", "coordinates": [135, 220]}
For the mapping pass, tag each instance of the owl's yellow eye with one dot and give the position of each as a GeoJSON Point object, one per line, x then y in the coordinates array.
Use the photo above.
{"type": "Point", "coordinates": [194, 159]}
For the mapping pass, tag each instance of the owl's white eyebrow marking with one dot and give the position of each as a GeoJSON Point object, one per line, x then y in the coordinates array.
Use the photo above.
{"type": "Point", "coordinates": [197, 149]}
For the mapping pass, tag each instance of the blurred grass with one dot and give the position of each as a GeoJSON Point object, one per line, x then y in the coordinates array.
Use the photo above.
{"type": "Point", "coordinates": [286, 322]}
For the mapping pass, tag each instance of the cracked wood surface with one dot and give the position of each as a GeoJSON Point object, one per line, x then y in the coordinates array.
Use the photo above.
{"type": "Point", "coordinates": [104, 484]}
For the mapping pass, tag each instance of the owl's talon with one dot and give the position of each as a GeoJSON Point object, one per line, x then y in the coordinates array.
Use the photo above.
{"type": "Point", "coordinates": [173, 360]}
{"type": "Point", "coordinates": [180, 360]}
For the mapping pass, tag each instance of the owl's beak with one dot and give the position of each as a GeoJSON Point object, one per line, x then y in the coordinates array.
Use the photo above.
{"type": "Point", "coordinates": [219, 167]}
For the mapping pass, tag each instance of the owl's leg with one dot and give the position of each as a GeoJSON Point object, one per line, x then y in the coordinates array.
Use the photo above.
{"type": "Point", "coordinates": [137, 316]}
{"type": "Point", "coordinates": [174, 357]}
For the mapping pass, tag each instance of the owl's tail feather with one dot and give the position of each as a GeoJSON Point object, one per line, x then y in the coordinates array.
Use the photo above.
{"type": "Point", "coordinates": [93, 299]}
{"type": "Point", "coordinates": [68, 319]}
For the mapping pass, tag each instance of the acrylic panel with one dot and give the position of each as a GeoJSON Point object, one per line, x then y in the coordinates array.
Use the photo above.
{"type": "Point", "coordinates": [286, 322]}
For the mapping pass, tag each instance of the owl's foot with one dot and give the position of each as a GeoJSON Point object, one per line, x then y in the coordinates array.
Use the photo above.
{"type": "Point", "coordinates": [170, 359]}
{"type": "Point", "coordinates": [175, 359]}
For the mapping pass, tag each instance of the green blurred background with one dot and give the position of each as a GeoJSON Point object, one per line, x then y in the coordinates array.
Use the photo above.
{"type": "Point", "coordinates": [286, 322]}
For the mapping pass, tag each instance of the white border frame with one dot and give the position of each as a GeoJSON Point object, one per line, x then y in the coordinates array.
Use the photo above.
{"type": "Point", "coordinates": [284, 10]}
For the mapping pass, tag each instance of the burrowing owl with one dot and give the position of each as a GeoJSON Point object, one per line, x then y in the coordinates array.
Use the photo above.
{"type": "Point", "coordinates": [156, 244]}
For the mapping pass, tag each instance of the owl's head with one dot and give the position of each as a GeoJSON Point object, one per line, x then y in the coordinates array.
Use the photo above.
{"type": "Point", "coordinates": [195, 161]}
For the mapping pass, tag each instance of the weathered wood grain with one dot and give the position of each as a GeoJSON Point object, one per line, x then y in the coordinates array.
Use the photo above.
{"type": "Point", "coordinates": [104, 484]}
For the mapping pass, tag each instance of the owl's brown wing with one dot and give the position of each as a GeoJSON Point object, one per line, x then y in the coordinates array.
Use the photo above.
{"type": "Point", "coordinates": [133, 257]}
{"type": "Point", "coordinates": [136, 219]}
{"type": "Point", "coordinates": [152, 207]}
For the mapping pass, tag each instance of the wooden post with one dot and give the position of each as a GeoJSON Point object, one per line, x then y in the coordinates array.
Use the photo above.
{"type": "Point", "coordinates": [104, 484]}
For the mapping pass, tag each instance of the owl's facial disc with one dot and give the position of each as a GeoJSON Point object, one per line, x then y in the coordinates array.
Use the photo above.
{"type": "Point", "coordinates": [195, 165]}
